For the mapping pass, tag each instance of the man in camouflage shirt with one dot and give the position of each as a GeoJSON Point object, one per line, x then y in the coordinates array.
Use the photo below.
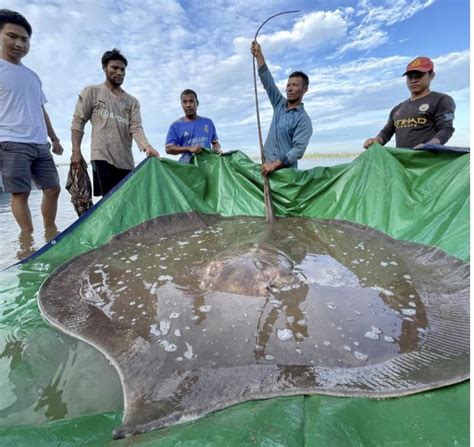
{"type": "Point", "coordinates": [116, 121]}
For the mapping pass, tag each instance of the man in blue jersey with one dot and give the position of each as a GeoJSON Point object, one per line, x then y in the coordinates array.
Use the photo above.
{"type": "Point", "coordinates": [190, 133]}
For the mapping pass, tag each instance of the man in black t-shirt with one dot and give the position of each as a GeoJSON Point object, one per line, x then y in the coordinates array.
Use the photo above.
{"type": "Point", "coordinates": [426, 117]}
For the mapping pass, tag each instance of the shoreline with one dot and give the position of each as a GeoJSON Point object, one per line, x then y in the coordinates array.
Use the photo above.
{"type": "Point", "coordinates": [310, 156]}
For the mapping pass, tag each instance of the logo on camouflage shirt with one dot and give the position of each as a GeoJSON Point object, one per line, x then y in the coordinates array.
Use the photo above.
{"type": "Point", "coordinates": [424, 107]}
{"type": "Point", "coordinates": [106, 114]}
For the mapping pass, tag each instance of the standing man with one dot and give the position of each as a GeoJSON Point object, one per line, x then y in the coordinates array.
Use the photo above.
{"type": "Point", "coordinates": [190, 133]}
{"type": "Point", "coordinates": [291, 126]}
{"type": "Point", "coordinates": [116, 119]}
{"type": "Point", "coordinates": [425, 118]}
{"type": "Point", "coordinates": [25, 127]}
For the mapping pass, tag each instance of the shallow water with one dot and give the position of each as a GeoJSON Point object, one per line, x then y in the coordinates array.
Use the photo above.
{"type": "Point", "coordinates": [337, 297]}
{"type": "Point", "coordinates": [49, 375]}
{"type": "Point", "coordinates": [352, 301]}
{"type": "Point", "coordinates": [16, 246]}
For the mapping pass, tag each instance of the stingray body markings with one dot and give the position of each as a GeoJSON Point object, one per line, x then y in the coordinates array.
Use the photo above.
{"type": "Point", "coordinates": [348, 312]}
{"type": "Point", "coordinates": [253, 272]}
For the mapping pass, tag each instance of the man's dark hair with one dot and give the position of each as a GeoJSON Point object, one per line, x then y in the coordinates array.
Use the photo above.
{"type": "Point", "coordinates": [300, 74]}
{"type": "Point", "coordinates": [188, 91]}
{"type": "Point", "coordinates": [113, 55]}
{"type": "Point", "coordinates": [9, 16]}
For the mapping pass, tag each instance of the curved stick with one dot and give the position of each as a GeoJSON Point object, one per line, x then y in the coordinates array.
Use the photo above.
{"type": "Point", "coordinates": [269, 212]}
{"type": "Point", "coordinates": [270, 18]}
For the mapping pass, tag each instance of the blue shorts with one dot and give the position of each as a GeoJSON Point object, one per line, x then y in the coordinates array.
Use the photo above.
{"type": "Point", "coordinates": [22, 163]}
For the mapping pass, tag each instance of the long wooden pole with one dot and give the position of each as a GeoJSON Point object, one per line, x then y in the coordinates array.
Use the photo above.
{"type": "Point", "coordinates": [269, 212]}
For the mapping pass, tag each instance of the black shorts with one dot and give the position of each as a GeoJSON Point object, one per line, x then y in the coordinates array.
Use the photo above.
{"type": "Point", "coordinates": [105, 176]}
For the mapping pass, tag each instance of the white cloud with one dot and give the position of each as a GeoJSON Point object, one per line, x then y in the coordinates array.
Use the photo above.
{"type": "Point", "coordinates": [312, 30]}
{"type": "Point", "coordinates": [371, 32]}
{"type": "Point", "coordinates": [351, 102]}
{"type": "Point", "coordinates": [171, 48]}
{"type": "Point", "coordinates": [392, 12]}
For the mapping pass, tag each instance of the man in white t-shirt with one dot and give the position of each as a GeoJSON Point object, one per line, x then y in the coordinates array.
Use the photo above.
{"type": "Point", "coordinates": [25, 127]}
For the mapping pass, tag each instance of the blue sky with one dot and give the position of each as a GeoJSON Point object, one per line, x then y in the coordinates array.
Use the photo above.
{"type": "Point", "coordinates": [353, 50]}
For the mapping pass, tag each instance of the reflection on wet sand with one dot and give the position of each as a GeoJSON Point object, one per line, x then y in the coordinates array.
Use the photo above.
{"type": "Point", "coordinates": [52, 401]}
{"type": "Point", "coordinates": [50, 232]}
{"type": "Point", "coordinates": [14, 350]}
{"type": "Point", "coordinates": [27, 244]}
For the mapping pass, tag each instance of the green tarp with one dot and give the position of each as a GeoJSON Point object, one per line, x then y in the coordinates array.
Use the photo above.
{"type": "Point", "coordinates": [410, 195]}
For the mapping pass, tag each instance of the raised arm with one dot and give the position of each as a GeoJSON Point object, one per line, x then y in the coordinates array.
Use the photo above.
{"type": "Point", "coordinates": [266, 77]}
{"type": "Point", "coordinates": [256, 50]}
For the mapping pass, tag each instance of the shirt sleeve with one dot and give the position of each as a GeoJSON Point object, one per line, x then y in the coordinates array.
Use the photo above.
{"type": "Point", "coordinates": [83, 111]}
{"type": "Point", "coordinates": [172, 136]}
{"type": "Point", "coordinates": [268, 82]}
{"type": "Point", "coordinates": [389, 129]}
{"type": "Point", "coordinates": [214, 136]}
{"type": "Point", "coordinates": [300, 141]}
{"type": "Point", "coordinates": [136, 128]}
{"type": "Point", "coordinates": [43, 98]}
{"type": "Point", "coordinates": [444, 118]}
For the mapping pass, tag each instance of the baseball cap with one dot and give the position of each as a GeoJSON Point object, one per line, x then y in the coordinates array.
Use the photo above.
{"type": "Point", "coordinates": [421, 63]}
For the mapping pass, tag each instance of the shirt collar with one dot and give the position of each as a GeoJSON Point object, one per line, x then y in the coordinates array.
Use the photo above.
{"type": "Point", "coordinates": [298, 108]}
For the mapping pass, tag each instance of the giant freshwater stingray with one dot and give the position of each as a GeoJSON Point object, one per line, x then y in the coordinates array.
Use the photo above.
{"type": "Point", "coordinates": [198, 313]}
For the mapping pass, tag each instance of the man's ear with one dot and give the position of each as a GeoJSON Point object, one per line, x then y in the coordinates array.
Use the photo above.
{"type": "Point", "coordinates": [305, 90]}
{"type": "Point", "coordinates": [432, 75]}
